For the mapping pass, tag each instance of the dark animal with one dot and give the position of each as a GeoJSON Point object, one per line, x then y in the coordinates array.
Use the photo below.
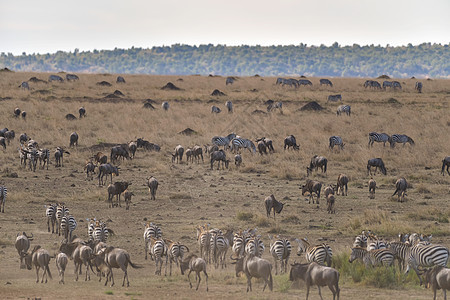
{"type": "Point", "coordinates": [377, 163]}
{"type": "Point", "coordinates": [445, 163]}
{"type": "Point", "coordinates": [290, 141]}
{"type": "Point", "coordinates": [72, 77]}
{"type": "Point", "coordinates": [106, 169]}
{"type": "Point", "coordinates": [82, 112]}
{"type": "Point", "coordinates": [317, 162]}
{"type": "Point", "coordinates": [55, 78]}
{"type": "Point", "coordinates": [271, 203]}
{"type": "Point", "coordinates": [312, 186]}
{"type": "Point", "coordinates": [116, 189]}
{"type": "Point", "coordinates": [73, 139]}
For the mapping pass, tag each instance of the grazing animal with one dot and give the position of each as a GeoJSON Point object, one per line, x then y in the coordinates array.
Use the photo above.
{"type": "Point", "coordinates": [100, 158]}
{"type": "Point", "coordinates": [422, 255]}
{"type": "Point", "coordinates": [117, 258]}
{"type": "Point", "coordinates": [418, 87]}
{"type": "Point", "coordinates": [396, 85]}
{"type": "Point", "coordinates": [119, 151]}
{"type": "Point", "coordinates": [317, 162]}
{"type": "Point", "coordinates": [141, 143]}
{"type": "Point", "coordinates": [90, 169]}
{"type": "Point", "coordinates": [9, 136]}
{"type": "Point", "coordinates": [219, 156]}
{"type": "Point", "coordinates": [3, 142]}
{"type": "Point", "coordinates": [445, 163]}
{"type": "Point", "coordinates": [319, 253]}
{"type": "Point", "coordinates": [238, 160]}
{"type": "Point", "coordinates": [377, 163]}
{"type": "Point", "coordinates": [271, 203]}
{"type": "Point", "coordinates": [379, 138]}
{"type": "Point", "coordinates": [17, 112]}
{"type": "Point", "coordinates": [120, 79]}
{"type": "Point", "coordinates": [229, 106]}
{"type": "Point", "coordinates": [2, 131]}
{"type": "Point", "coordinates": [178, 155]}
{"type": "Point", "coordinates": [72, 77]}
{"type": "Point", "coordinates": [55, 78]}
{"type": "Point", "coordinates": [152, 184]}
{"type": "Point", "coordinates": [334, 98]}
{"type": "Point", "coordinates": [50, 212]}
{"type": "Point", "coordinates": [325, 82]}
{"type": "Point", "coordinates": [198, 153]}
{"type": "Point", "coordinates": [372, 84]}
{"type": "Point", "coordinates": [387, 84]}
{"type": "Point", "coordinates": [253, 266]}
{"type": "Point", "coordinates": [189, 155]}
{"type": "Point", "coordinates": [39, 258]}
{"type": "Point", "coordinates": [229, 80]}
{"type": "Point", "coordinates": [194, 264]}
{"type": "Point", "coordinates": [280, 249]}
{"type": "Point", "coordinates": [24, 85]}
{"type": "Point", "coordinates": [262, 148]}
{"type": "Point", "coordinates": [73, 139]}
{"type": "Point", "coordinates": [304, 82]}
{"type": "Point", "coordinates": [315, 274]}
{"type": "Point", "coordinates": [105, 170]}
{"type": "Point", "coordinates": [343, 109]}
{"type": "Point", "coordinates": [372, 187]}
{"type": "Point", "coordinates": [401, 138]}
{"type": "Point", "coordinates": [116, 189]}
{"type": "Point", "coordinates": [330, 204]}
{"type": "Point", "coordinates": [238, 143]}
{"type": "Point", "coordinates": [151, 231]}
{"type": "Point", "coordinates": [342, 184]}
{"type": "Point", "coordinates": [329, 190]}
{"type": "Point", "coordinates": [61, 263]}
{"type": "Point", "coordinates": [312, 186]}
{"type": "Point", "coordinates": [22, 244]}
{"type": "Point", "coordinates": [336, 141]}
{"type": "Point", "coordinates": [223, 141]}
{"type": "Point", "coordinates": [165, 105]}
{"type": "Point", "coordinates": [127, 195]}
{"type": "Point", "coordinates": [210, 149]}
{"type": "Point", "coordinates": [273, 106]}
{"type": "Point", "coordinates": [438, 278]}
{"type": "Point", "coordinates": [290, 141]}
{"type": "Point", "coordinates": [24, 114]}
{"type": "Point", "coordinates": [82, 112]}
{"type": "Point", "coordinates": [375, 257]}
{"type": "Point", "coordinates": [400, 190]}
{"type": "Point", "coordinates": [3, 195]}
{"type": "Point", "coordinates": [215, 109]}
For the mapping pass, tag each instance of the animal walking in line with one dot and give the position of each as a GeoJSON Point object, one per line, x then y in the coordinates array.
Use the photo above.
{"type": "Point", "coordinates": [194, 264]}
{"type": "Point", "coordinates": [446, 163]}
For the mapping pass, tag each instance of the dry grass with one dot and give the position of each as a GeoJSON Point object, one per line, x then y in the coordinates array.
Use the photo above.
{"type": "Point", "coordinates": [192, 194]}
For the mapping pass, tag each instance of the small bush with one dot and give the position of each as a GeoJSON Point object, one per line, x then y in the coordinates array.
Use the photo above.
{"type": "Point", "coordinates": [277, 230]}
{"type": "Point", "coordinates": [109, 292]}
{"type": "Point", "coordinates": [262, 221]}
{"type": "Point", "coordinates": [244, 216]}
{"type": "Point", "coordinates": [291, 219]}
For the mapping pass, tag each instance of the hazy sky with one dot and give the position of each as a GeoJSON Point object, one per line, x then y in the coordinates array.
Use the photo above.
{"type": "Point", "coordinates": [46, 26]}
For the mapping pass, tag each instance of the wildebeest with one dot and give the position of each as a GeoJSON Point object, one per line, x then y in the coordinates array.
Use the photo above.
{"type": "Point", "coordinates": [61, 264]}
{"type": "Point", "coordinates": [152, 184]}
{"type": "Point", "coordinates": [119, 151]}
{"type": "Point", "coordinates": [59, 155]}
{"type": "Point", "coordinates": [229, 80]}
{"type": "Point", "coordinates": [438, 278]}
{"type": "Point", "coordinates": [237, 160]}
{"type": "Point", "coordinates": [132, 146]}
{"type": "Point", "coordinates": [271, 203]}
{"type": "Point", "coordinates": [55, 78]}
{"type": "Point", "coordinates": [330, 204]}
{"type": "Point", "coordinates": [315, 274]}
{"type": "Point", "coordinates": [70, 117]}
{"type": "Point", "coordinates": [39, 258]}
{"type": "Point", "coordinates": [290, 141]}
{"type": "Point", "coordinates": [24, 85]}
{"type": "Point", "coordinates": [81, 255]}
{"type": "Point", "coordinates": [219, 156]}
{"type": "Point", "coordinates": [17, 112]}
{"type": "Point", "coordinates": [73, 139]}
{"type": "Point", "coordinates": [377, 163]}
{"type": "Point", "coordinates": [115, 190]}
{"type": "Point", "coordinates": [342, 184]}
{"type": "Point", "coordinates": [194, 264]}
{"type": "Point", "coordinates": [3, 142]}
{"type": "Point", "coordinates": [100, 158]}
{"type": "Point", "coordinates": [22, 245]}
{"type": "Point", "coordinates": [215, 109]}
{"type": "Point", "coordinates": [334, 98]}
{"type": "Point", "coordinates": [82, 112]}
{"type": "Point", "coordinates": [229, 106]}
{"type": "Point", "coordinates": [325, 82]}
{"type": "Point", "coordinates": [312, 186]}
{"type": "Point", "coordinates": [372, 187]}
{"type": "Point", "coordinates": [89, 168]}
{"type": "Point", "coordinates": [24, 114]}
{"type": "Point", "coordinates": [178, 154]}
{"type": "Point", "coordinates": [120, 79]}
{"type": "Point", "coordinates": [253, 266]}
{"type": "Point", "coordinates": [400, 190]}
{"type": "Point", "coordinates": [106, 169]}
{"type": "Point", "coordinates": [117, 258]}
{"type": "Point", "coordinates": [445, 163]}
{"type": "Point", "coordinates": [317, 162]}
{"type": "Point", "coordinates": [72, 77]}
{"type": "Point", "coordinates": [165, 105]}
{"type": "Point", "coordinates": [127, 197]}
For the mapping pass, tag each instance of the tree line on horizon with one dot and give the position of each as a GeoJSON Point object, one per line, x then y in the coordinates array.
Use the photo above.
{"type": "Point", "coordinates": [424, 60]}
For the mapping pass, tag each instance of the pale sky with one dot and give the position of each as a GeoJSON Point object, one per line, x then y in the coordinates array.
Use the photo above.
{"type": "Point", "coordinates": [46, 26]}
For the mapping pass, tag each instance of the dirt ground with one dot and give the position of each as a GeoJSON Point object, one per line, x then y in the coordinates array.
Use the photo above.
{"type": "Point", "coordinates": [193, 194]}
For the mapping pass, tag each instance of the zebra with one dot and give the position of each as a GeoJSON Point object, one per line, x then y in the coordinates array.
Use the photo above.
{"type": "Point", "coordinates": [223, 140]}
{"type": "Point", "coordinates": [24, 85]}
{"type": "Point", "coordinates": [445, 163]}
{"type": "Point", "coordinates": [372, 84]}
{"type": "Point", "coordinates": [229, 106]}
{"type": "Point", "coordinates": [55, 78]}
{"type": "Point", "coordinates": [401, 252]}
{"type": "Point", "coordinates": [151, 231]}
{"type": "Point", "coordinates": [334, 98]}
{"type": "Point", "coordinates": [426, 256]}
{"type": "Point", "coordinates": [70, 77]}
{"type": "Point", "coordinates": [238, 143]}
{"type": "Point", "coordinates": [290, 82]}
{"type": "Point", "coordinates": [61, 210]}
{"type": "Point", "coordinates": [336, 141]}
{"type": "Point", "coordinates": [219, 245]}
{"type": "Point", "coordinates": [326, 82]}
{"type": "Point", "coordinates": [387, 84]}
{"type": "Point", "coordinates": [396, 85]}
{"type": "Point", "coordinates": [175, 253]}
{"type": "Point", "coordinates": [50, 213]}
{"type": "Point", "coordinates": [379, 138]}
{"type": "Point", "coordinates": [44, 157]}
{"type": "Point", "coordinates": [3, 194]}
{"type": "Point", "coordinates": [304, 82]}
{"type": "Point", "coordinates": [215, 109]}
{"type": "Point", "coordinates": [203, 239]}
{"type": "Point", "coordinates": [158, 250]}
{"type": "Point", "coordinates": [373, 257]}
{"type": "Point", "coordinates": [400, 138]}
{"type": "Point", "coordinates": [280, 250]}
{"type": "Point", "coordinates": [101, 232]}
{"type": "Point", "coordinates": [376, 244]}
{"type": "Point", "coordinates": [279, 80]}
{"type": "Point", "coordinates": [32, 156]}
{"type": "Point", "coordinates": [418, 87]}
{"type": "Point", "coordinates": [239, 240]}
{"type": "Point", "coordinates": [360, 240]}
{"type": "Point", "coordinates": [321, 254]}
{"type": "Point", "coordinates": [254, 246]}
{"type": "Point", "coordinates": [67, 226]}
{"type": "Point", "coordinates": [377, 163]}
{"type": "Point", "coordinates": [343, 109]}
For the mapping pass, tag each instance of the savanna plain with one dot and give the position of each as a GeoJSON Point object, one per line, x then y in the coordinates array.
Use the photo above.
{"type": "Point", "coordinates": [192, 194]}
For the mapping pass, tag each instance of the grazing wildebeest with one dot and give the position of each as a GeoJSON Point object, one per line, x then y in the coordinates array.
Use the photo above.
{"type": "Point", "coordinates": [70, 117]}
{"type": "Point", "coordinates": [72, 77]}
{"type": "Point", "coordinates": [372, 187]}
{"type": "Point", "coordinates": [237, 160]}
{"type": "Point", "coordinates": [17, 112]}
{"type": "Point", "coordinates": [73, 139]}
{"type": "Point", "coordinates": [120, 79]}
{"type": "Point", "coordinates": [106, 169]}
{"type": "Point", "coordinates": [178, 155]}
{"type": "Point", "coordinates": [119, 151]}
{"type": "Point", "coordinates": [55, 78]}
{"type": "Point", "coordinates": [39, 258]}
{"type": "Point", "coordinates": [317, 162]}
{"type": "Point", "coordinates": [219, 156]}
{"type": "Point", "coordinates": [290, 141]}
{"type": "Point", "coordinates": [334, 98]}
{"type": "Point", "coordinates": [377, 163]}
{"type": "Point", "coordinates": [59, 154]}
{"type": "Point", "coordinates": [253, 266]}
{"type": "Point", "coordinates": [325, 82]}
{"type": "Point", "coordinates": [229, 80]}
{"type": "Point", "coordinates": [271, 203]}
{"type": "Point", "coordinates": [82, 112]}
{"type": "Point", "coordinates": [312, 186]}
{"type": "Point", "coordinates": [152, 184]}
{"type": "Point", "coordinates": [445, 163]}
{"type": "Point", "coordinates": [215, 109]}
{"type": "Point", "coordinates": [24, 85]}
{"type": "Point", "coordinates": [400, 190]}
{"type": "Point", "coordinates": [194, 264]}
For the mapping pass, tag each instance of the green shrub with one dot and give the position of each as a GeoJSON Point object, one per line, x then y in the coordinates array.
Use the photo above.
{"type": "Point", "coordinates": [244, 216]}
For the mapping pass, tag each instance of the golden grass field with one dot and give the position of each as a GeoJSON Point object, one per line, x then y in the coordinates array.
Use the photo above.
{"type": "Point", "coordinates": [192, 194]}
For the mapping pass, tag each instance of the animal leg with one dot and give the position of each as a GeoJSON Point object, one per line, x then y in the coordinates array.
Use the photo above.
{"type": "Point", "coordinates": [199, 279]}
{"type": "Point", "coordinates": [37, 274]}
{"type": "Point", "coordinates": [189, 277]}
{"type": "Point", "coordinates": [206, 275]}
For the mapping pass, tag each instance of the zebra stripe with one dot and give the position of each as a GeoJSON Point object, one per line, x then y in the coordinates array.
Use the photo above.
{"type": "Point", "coordinates": [319, 253]}
{"type": "Point", "coordinates": [374, 257]}
{"type": "Point", "coordinates": [61, 210]}
{"type": "Point", "coordinates": [387, 84]}
{"type": "Point", "coordinates": [238, 143]}
{"type": "Point", "coordinates": [223, 140]}
{"type": "Point", "coordinates": [401, 252]}
{"type": "Point", "coordinates": [219, 246]}
{"type": "Point", "coordinates": [238, 244]}
{"type": "Point", "coordinates": [418, 87]}
{"type": "Point", "coordinates": [360, 241]}
{"type": "Point", "coordinates": [254, 246]}
{"type": "Point", "coordinates": [151, 231]}
{"type": "Point", "coordinates": [401, 138]}
{"type": "Point", "coordinates": [281, 250]}
{"type": "Point", "coordinates": [379, 138]}
{"type": "Point", "coordinates": [158, 249]}
{"type": "Point", "coordinates": [176, 252]}
{"type": "Point", "coordinates": [343, 109]}
{"type": "Point", "coordinates": [426, 256]}
{"type": "Point", "coordinates": [100, 232]}
{"type": "Point", "coordinates": [376, 245]}
{"type": "Point", "coordinates": [336, 141]}
{"type": "Point", "coordinates": [50, 213]}
{"type": "Point", "coordinates": [68, 225]}
{"type": "Point", "coordinates": [3, 194]}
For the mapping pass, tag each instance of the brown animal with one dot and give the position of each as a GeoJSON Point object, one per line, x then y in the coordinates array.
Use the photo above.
{"type": "Point", "coordinates": [178, 154]}
{"type": "Point", "coordinates": [372, 187]}
{"type": "Point", "coordinates": [127, 195]}
{"type": "Point", "coordinates": [438, 278]}
{"type": "Point", "coordinates": [39, 258]}
{"type": "Point", "coordinates": [152, 184]}
{"type": "Point", "coordinates": [117, 258]}
{"type": "Point", "coordinates": [316, 163]}
{"type": "Point", "coordinates": [312, 186]}
{"type": "Point", "coordinates": [272, 203]}
{"type": "Point", "coordinates": [132, 146]}
{"type": "Point", "coordinates": [61, 264]}
{"type": "Point", "coordinates": [329, 190]}
{"type": "Point", "coordinates": [262, 147]}
{"type": "Point", "coordinates": [194, 264]}
{"type": "Point", "coordinates": [81, 255]}
{"type": "Point", "coordinates": [330, 204]}
{"type": "Point", "coordinates": [100, 158]}
{"type": "Point", "coordinates": [253, 266]}
{"type": "Point", "coordinates": [115, 190]}
{"type": "Point", "coordinates": [401, 186]}
{"type": "Point", "coordinates": [342, 184]}
{"type": "Point", "coordinates": [198, 153]}
{"type": "Point", "coordinates": [22, 245]}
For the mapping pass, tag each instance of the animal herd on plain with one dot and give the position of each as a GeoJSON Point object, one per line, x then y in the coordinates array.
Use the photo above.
{"type": "Point", "coordinates": [94, 255]}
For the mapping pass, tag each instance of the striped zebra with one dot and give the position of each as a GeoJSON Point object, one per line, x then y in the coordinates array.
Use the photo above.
{"type": "Point", "coordinates": [91, 227]}
{"type": "Point", "coordinates": [321, 254]}
{"type": "Point", "coordinates": [271, 106]}
{"type": "Point", "coordinates": [3, 194]}
{"type": "Point", "coordinates": [376, 257]}
{"type": "Point", "coordinates": [158, 250]}
{"type": "Point", "coordinates": [426, 256]}
{"type": "Point", "coordinates": [304, 82]}
{"type": "Point", "coordinates": [418, 87]}
{"type": "Point", "coordinates": [336, 141]}
{"type": "Point", "coordinates": [175, 253]}
{"type": "Point", "coordinates": [229, 106]}
{"type": "Point", "coordinates": [400, 138]}
{"type": "Point", "coordinates": [219, 245]}
{"type": "Point", "coordinates": [360, 240]}
{"type": "Point", "coordinates": [401, 252]}
{"type": "Point", "coordinates": [372, 84]}
{"type": "Point", "coordinates": [255, 246]}
{"type": "Point", "coordinates": [223, 141]}
{"type": "Point", "coordinates": [61, 210]}
{"type": "Point", "coordinates": [279, 81]}
{"type": "Point", "coordinates": [50, 213]}
{"type": "Point", "coordinates": [68, 225]}
{"type": "Point", "coordinates": [334, 98]}
{"type": "Point", "coordinates": [379, 138]}
{"type": "Point", "coordinates": [325, 81]}
{"type": "Point", "coordinates": [101, 232]}
{"type": "Point", "coordinates": [343, 109]}
{"type": "Point", "coordinates": [238, 143]}
{"type": "Point", "coordinates": [280, 250]}
{"type": "Point", "coordinates": [290, 82]}
{"type": "Point", "coordinates": [239, 240]}
{"type": "Point", "coordinates": [376, 244]}
{"type": "Point", "coordinates": [203, 239]}
{"type": "Point", "coordinates": [151, 231]}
